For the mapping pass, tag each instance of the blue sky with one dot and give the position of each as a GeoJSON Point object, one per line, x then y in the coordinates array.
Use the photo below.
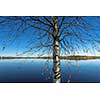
{"type": "Point", "coordinates": [12, 46]}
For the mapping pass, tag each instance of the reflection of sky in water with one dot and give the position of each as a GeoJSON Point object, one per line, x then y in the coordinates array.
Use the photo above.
{"type": "Point", "coordinates": [22, 71]}
{"type": "Point", "coordinates": [81, 71]}
{"type": "Point", "coordinates": [41, 71]}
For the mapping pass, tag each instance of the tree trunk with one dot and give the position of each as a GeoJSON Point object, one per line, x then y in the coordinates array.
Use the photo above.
{"type": "Point", "coordinates": [56, 51]}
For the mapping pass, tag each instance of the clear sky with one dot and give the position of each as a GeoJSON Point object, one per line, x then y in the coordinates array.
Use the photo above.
{"type": "Point", "coordinates": [13, 43]}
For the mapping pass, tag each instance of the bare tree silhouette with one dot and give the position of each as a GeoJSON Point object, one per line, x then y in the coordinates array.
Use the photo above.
{"type": "Point", "coordinates": [58, 34]}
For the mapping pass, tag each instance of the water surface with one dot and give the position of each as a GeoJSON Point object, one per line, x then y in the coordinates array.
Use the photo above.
{"type": "Point", "coordinates": [40, 71]}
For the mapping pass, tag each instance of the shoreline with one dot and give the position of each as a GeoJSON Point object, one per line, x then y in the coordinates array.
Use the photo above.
{"type": "Point", "coordinates": [61, 57]}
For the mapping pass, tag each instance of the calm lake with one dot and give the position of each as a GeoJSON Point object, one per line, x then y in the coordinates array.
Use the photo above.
{"type": "Point", "coordinates": [40, 71]}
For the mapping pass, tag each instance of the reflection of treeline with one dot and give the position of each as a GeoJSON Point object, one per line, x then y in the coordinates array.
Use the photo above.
{"type": "Point", "coordinates": [61, 57]}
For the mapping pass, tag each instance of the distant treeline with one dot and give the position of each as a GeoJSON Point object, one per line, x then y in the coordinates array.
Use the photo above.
{"type": "Point", "coordinates": [61, 57]}
{"type": "Point", "coordinates": [79, 57]}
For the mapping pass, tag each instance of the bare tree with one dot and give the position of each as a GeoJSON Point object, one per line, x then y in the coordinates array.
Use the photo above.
{"type": "Point", "coordinates": [60, 34]}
